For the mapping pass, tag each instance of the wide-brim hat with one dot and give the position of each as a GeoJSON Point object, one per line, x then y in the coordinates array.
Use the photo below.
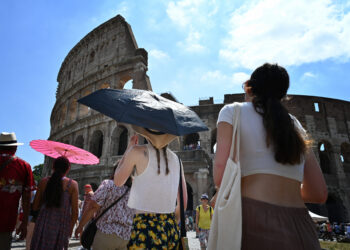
{"type": "Point", "coordinates": [158, 139]}
{"type": "Point", "coordinates": [9, 139]}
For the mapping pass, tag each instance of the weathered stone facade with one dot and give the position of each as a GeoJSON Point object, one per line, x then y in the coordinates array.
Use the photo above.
{"type": "Point", "coordinates": [109, 57]}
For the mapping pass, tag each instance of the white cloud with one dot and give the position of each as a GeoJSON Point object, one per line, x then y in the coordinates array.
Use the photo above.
{"type": "Point", "coordinates": [287, 32]}
{"type": "Point", "coordinates": [309, 74]}
{"type": "Point", "coordinates": [158, 54]}
{"type": "Point", "coordinates": [217, 77]}
{"type": "Point", "coordinates": [194, 18]}
{"type": "Point", "coordinates": [192, 43]}
{"type": "Point", "coordinates": [240, 77]}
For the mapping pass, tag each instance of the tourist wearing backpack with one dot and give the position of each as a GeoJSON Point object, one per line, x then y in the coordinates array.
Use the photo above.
{"type": "Point", "coordinates": [204, 214]}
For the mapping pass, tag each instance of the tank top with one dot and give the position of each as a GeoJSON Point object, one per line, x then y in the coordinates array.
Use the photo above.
{"type": "Point", "coordinates": [155, 193]}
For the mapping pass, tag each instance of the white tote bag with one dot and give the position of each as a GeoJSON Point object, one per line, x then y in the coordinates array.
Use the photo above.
{"type": "Point", "coordinates": [226, 226]}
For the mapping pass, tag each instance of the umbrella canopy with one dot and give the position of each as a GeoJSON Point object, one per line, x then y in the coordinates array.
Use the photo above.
{"type": "Point", "coordinates": [317, 217]}
{"type": "Point", "coordinates": [56, 149]}
{"type": "Point", "coordinates": [145, 109]}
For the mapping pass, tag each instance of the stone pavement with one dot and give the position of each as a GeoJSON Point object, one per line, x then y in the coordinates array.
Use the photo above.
{"type": "Point", "coordinates": [75, 244]}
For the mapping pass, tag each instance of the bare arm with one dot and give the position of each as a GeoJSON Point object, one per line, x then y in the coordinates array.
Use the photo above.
{"type": "Point", "coordinates": [127, 163]}
{"type": "Point", "coordinates": [92, 208]}
{"type": "Point", "coordinates": [74, 201]}
{"type": "Point", "coordinates": [223, 146]}
{"type": "Point", "coordinates": [22, 230]}
{"type": "Point", "coordinates": [313, 187]}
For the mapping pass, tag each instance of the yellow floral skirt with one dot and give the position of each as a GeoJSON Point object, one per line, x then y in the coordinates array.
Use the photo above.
{"type": "Point", "coordinates": [154, 231]}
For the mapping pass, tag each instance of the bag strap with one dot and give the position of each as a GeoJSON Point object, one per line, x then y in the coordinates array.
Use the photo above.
{"type": "Point", "coordinates": [235, 130]}
{"type": "Point", "coordinates": [115, 202]}
{"type": "Point", "coordinates": [7, 162]}
{"type": "Point", "coordinates": [182, 213]}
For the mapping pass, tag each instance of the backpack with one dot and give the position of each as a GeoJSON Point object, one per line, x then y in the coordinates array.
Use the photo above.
{"type": "Point", "coordinates": [210, 210]}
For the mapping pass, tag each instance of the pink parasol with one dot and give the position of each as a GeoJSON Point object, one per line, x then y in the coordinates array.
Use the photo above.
{"type": "Point", "coordinates": [56, 149]}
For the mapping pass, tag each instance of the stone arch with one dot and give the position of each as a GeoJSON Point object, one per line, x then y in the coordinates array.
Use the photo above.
{"type": "Point", "coordinates": [128, 85]}
{"type": "Point", "coordinates": [345, 156]}
{"type": "Point", "coordinates": [335, 208]}
{"type": "Point", "coordinates": [213, 141]}
{"type": "Point", "coordinates": [119, 140]}
{"type": "Point", "coordinates": [192, 141]}
{"type": "Point", "coordinates": [96, 143]}
{"type": "Point", "coordinates": [190, 197]}
{"type": "Point", "coordinates": [124, 79]}
{"type": "Point", "coordinates": [79, 141]}
{"type": "Point", "coordinates": [324, 153]}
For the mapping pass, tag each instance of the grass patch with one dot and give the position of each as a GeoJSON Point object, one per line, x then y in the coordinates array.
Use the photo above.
{"type": "Point", "coordinates": [334, 245]}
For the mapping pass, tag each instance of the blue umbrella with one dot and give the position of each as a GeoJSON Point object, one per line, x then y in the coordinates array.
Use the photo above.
{"type": "Point", "coordinates": [145, 109]}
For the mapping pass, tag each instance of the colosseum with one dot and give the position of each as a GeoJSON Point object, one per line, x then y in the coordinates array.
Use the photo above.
{"type": "Point", "coordinates": [108, 57]}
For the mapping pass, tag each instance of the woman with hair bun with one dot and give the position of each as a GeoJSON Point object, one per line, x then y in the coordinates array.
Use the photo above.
{"type": "Point", "coordinates": [56, 201]}
{"type": "Point", "coordinates": [279, 169]}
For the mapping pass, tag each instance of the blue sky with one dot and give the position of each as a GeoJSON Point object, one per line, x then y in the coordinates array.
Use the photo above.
{"type": "Point", "coordinates": [197, 49]}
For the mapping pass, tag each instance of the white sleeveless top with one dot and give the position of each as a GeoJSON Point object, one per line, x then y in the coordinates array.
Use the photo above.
{"type": "Point", "coordinates": [155, 193]}
{"type": "Point", "coordinates": [255, 156]}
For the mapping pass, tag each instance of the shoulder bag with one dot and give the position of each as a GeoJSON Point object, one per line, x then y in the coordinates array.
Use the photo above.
{"type": "Point", "coordinates": [226, 226]}
{"type": "Point", "coordinates": [184, 241]}
{"type": "Point", "coordinates": [88, 235]}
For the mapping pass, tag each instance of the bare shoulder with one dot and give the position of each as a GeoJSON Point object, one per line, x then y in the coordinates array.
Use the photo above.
{"type": "Point", "coordinates": [139, 151]}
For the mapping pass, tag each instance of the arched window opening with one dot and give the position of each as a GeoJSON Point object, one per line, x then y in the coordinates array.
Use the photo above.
{"type": "Point", "coordinates": [92, 56]}
{"type": "Point", "coordinates": [96, 143]}
{"type": "Point", "coordinates": [128, 85]}
{"type": "Point", "coordinates": [213, 141]}
{"type": "Point", "coordinates": [324, 152]}
{"type": "Point", "coordinates": [79, 142]}
{"type": "Point", "coordinates": [345, 156]}
{"type": "Point", "coordinates": [192, 141]}
{"type": "Point", "coordinates": [123, 141]}
{"type": "Point", "coordinates": [119, 140]}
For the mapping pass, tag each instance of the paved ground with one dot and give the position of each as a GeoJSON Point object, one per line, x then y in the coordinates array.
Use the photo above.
{"type": "Point", "coordinates": [75, 244]}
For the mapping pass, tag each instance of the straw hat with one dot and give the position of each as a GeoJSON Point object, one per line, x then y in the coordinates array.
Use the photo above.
{"type": "Point", "coordinates": [8, 139]}
{"type": "Point", "coordinates": [158, 139]}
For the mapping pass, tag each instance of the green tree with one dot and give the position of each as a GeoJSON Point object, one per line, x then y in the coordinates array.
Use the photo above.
{"type": "Point", "coordinates": [37, 170]}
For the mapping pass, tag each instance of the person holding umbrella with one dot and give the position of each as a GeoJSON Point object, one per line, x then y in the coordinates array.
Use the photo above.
{"type": "Point", "coordinates": [156, 182]}
{"type": "Point", "coordinates": [154, 191]}
{"type": "Point", "coordinates": [56, 203]}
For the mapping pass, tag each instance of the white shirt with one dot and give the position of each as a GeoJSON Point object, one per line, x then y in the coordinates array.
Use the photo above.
{"type": "Point", "coordinates": [255, 156]}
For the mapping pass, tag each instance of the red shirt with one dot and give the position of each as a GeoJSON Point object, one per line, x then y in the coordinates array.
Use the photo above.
{"type": "Point", "coordinates": [15, 178]}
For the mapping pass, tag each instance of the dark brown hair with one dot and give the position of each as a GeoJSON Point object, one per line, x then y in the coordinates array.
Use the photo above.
{"type": "Point", "coordinates": [54, 188]}
{"type": "Point", "coordinates": [269, 84]}
{"type": "Point", "coordinates": [164, 149]}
